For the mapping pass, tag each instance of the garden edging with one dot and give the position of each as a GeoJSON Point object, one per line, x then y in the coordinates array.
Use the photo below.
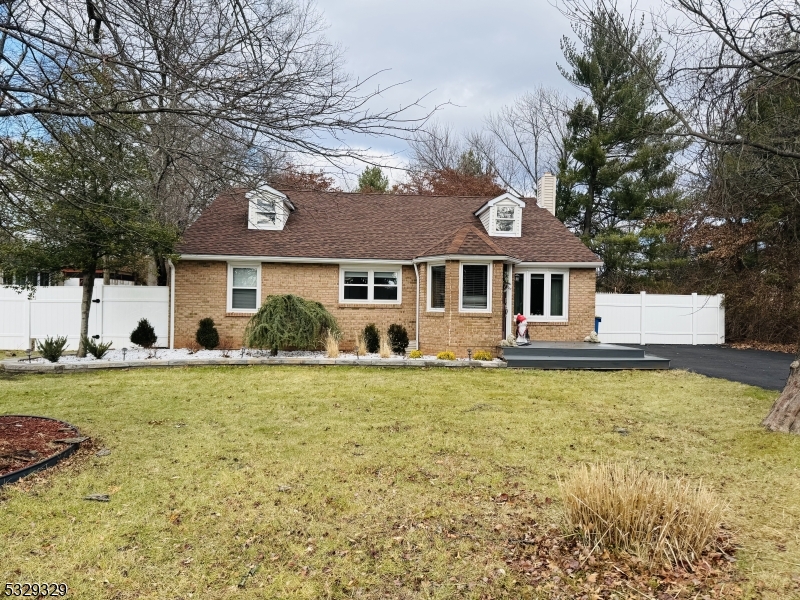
{"type": "Point", "coordinates": [17, 365]}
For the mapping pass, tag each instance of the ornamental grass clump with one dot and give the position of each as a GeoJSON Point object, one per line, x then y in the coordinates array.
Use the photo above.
{"type": "Point", "coordinates": [332, 344]}
{"type": "Point", "coordinates": [621, 507]}
{"type": "Point", "coordinates": [289, 321]}
{"type": "Point", "coordinates": [385, 350]}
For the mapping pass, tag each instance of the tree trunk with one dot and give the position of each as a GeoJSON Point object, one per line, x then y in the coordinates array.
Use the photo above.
{"type": "Point", "coordinates": [86, 305]}
{"type": "Point", "coordinates": [785, 413]}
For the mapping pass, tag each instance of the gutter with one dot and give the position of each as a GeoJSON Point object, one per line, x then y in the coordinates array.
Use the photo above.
{"type": "Point", "coordinates": [416, 321]}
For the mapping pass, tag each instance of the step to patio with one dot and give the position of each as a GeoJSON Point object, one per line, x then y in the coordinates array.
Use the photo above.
{"type": "Point", "coordinates": [580, 355]}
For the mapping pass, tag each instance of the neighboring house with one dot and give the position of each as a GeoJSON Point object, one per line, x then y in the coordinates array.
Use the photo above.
{"type": "Point", "coordinates": [441, 266]}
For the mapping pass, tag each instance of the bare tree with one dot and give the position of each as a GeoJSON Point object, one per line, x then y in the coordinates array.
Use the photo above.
{"type": "Point", "coordinates": [524, 140]}
{"type": "Point", "coordinates": [221, 91]}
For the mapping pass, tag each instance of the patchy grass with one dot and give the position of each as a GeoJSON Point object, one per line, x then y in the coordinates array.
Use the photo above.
{"type": "Point", "coordinates": [301, 482]}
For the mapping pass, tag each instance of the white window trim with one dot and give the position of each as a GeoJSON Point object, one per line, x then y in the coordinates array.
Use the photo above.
{"type": "Point", "coordinates": [247, 265]}
{"type": "Point", "coordinates": [515, 228]}
{"type": "Point", "coordinates": [526, 294]}
{"type": "Point", "coordinates": [428, 295]}
{"type": "Point", "coordinates": [370, 269]}
{"type": "Point", "coordinates": [489, 273]}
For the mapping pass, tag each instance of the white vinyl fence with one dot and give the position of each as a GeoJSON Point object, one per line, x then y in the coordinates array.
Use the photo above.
{"type": "Point", "coordinates": [56, 311]}
{"type": "Point", "coordinates": [661, 318]}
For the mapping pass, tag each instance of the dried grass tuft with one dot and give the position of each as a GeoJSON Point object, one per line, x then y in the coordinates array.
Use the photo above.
{"type": "Point", "coordinates": [621, 507]}
{"type": "Point", "coordinates": [385, 349]}
{"type": "Point", "coordinates": [332, 344]}
{"type": "Point", "coordinates": [361, 345]}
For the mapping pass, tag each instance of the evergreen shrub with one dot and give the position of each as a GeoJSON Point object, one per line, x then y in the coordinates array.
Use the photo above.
{"type": "Point", "coordinates": [415, 354]}
{"type": "Point", "coordinates": [144, 335]}
{"type": "Point", "coordinates": [289, 321]}
{"type": "Point", "coordinates": [482, 355]}
{"type": "Point", "coordinates": [372, 338]}
{"type": "Point", "coordinates": [52, 348]}
{"type": "Point", "coordinates": [207, 335]}
{"type": "Point", "coordinates": [96, 349]}
{"type": "Point", "coordinates": [446, 355]}
{"type": "Point", "coordinates": [398, 338]}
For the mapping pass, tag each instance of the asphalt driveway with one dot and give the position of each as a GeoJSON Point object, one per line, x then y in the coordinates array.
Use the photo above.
{"type": "Point", "coordinates": [765, 369]}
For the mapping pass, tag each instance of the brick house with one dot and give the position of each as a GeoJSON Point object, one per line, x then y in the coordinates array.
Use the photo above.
{"type": "Point", "coordinates": [452, 270]}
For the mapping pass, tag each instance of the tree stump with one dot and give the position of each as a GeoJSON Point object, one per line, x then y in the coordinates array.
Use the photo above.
{"type": "Point", "coordinates": [784, 416]}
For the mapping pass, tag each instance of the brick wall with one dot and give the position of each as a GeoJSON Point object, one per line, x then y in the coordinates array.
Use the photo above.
{"type": "Point", "coordinates": [201, 291]}
{"type": "Point", "coordinates": [581, 311]}
{"type": "Point", "coordinates": [455, 330]}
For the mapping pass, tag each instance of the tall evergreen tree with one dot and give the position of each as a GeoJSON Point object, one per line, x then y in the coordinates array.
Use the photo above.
{"type": "Point", "coordinates": [620, 169]}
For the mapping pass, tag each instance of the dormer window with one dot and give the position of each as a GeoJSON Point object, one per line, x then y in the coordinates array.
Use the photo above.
{"type": "Point", "coordinates": [504, 221]}
{"type": "Point", "coordinates": [502, 216]}
{"type": "Point", "coordinates": [265, 211]}
{"type": "Point", "coordinates": [268, 209]}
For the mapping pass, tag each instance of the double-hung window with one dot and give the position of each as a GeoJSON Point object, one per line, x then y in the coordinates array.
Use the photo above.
{"type": "Point", "coordinates": [504, 222]}
{"type": "Point", "coordinates": [379, 285]}
{"type": "Point", "coordinates": [244, 288]}
{"type": "Point", "coordinates": [476, 287]}
{"type": "Point", "coordinates": [266, 213]}
{"type": "Point", "coordinates": [436, 287]}
{"type": "Point", "coordinates": [544, 295]}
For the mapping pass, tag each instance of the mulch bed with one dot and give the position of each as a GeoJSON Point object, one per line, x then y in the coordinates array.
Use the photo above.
{"type": "Point", "coordinates": [565, 568]}
{"type": "Point", "coordinates": [25, 441]}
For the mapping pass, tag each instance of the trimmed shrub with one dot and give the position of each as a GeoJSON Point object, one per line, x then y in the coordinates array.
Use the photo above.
{"type": "Point", "coordinates": [398, 338]}
{"type": "Point", "coordinates": [52, 348]}
{"type": "Point", "coordinates": [289, 321]}
{"type": "Point", "coordinates": [415, 354]}
{"type": "Point", "coordinates": [623, 508]}
{"type": "Point", "coordinates": [372, 338]}
{"type": "Point", "coordinates": [482, 355]}
{"type": "Point", "coordinates": [94, 348]}
{"type": "Point", "coordinates": [446, 355]}
{"type": "Point", "coordinates": [207, 335]}
{"type": "Point", "coordinates": [144, 335]}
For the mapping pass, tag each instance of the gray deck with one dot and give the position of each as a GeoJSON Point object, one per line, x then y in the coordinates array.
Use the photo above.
{"type": "Point", "coordinates": [581, 355]}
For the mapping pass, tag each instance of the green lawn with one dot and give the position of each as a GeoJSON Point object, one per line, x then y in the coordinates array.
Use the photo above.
{"type": "Point", "coordinates": [373, 483]}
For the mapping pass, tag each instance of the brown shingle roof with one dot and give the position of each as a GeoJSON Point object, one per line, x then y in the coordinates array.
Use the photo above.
{"type": "Point", "coordinates": [340, 225]}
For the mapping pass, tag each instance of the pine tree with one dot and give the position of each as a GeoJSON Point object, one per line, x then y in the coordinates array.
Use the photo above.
{"type": "Point", "coordinates": [372, 180]}
{"type": "Point", "coordinates": [621, 148]}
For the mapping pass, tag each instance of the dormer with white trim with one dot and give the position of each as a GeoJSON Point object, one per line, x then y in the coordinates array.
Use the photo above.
{"type": "Point", "coordinates": [502, 216]}
{"type": "Point", "coordinates": [268, 209]}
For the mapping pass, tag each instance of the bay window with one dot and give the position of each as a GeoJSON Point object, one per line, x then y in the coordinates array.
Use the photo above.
{"type": "Point", "coordinates": [476, 287]}
{"type": "Point", "coordinates": [363, 285]}
{"type": "Point", "coordinates": [436, 287]}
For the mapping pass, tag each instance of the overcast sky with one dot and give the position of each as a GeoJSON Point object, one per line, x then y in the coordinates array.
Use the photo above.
{"type": "Point", "coordinates": [475, 55]}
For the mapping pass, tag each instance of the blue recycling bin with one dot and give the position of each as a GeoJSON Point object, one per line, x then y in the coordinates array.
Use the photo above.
{"type": "Point", "coordinates": [597, 321]}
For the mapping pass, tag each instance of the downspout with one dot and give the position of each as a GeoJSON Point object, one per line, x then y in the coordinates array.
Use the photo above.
{"type": "Point", "coordinates": [171, 304]}
{"type": "Point", "coordinates": [510, 301]}
{"type": "Point", "coordinates": [416, 321]}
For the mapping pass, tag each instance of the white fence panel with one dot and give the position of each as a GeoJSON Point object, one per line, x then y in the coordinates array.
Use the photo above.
{"type": "Point", "coordinates": [661, 318]}
{"type": "Point", "coordinates": [56, 311]}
